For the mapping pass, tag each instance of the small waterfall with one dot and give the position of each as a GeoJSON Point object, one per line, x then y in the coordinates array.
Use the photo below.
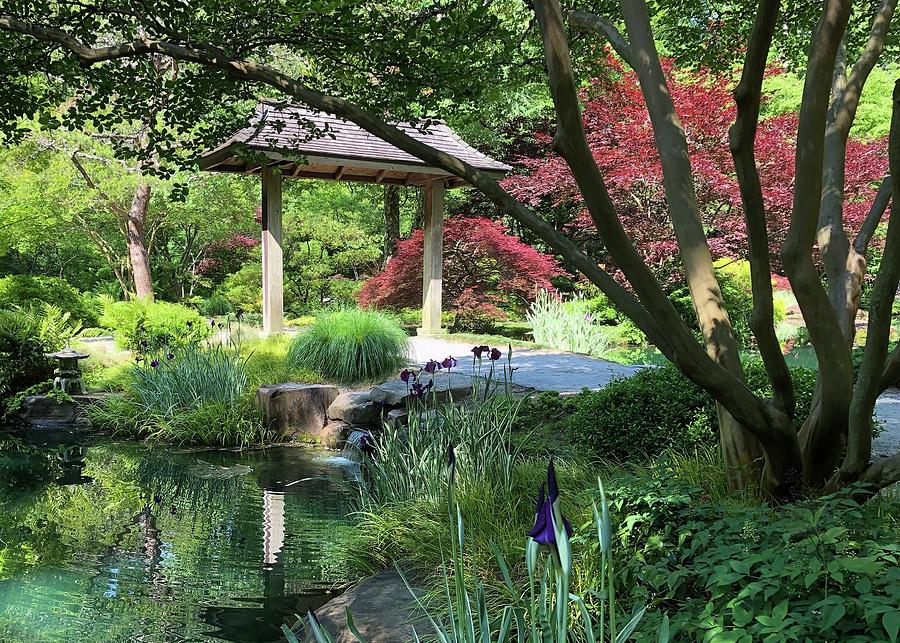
{"type": "Point", "coordinates": [358, 444]}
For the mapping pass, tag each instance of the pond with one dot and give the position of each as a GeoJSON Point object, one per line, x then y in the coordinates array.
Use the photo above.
{"type": "Point", "coordinates": [123, 542]}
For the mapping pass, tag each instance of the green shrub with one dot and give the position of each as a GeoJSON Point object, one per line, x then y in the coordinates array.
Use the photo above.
{"type": "Point", "coordinates": [642, 416]}
{"type": "Point", "coordinates": [27, 291]}
{"type": "Point", "coordinates": [734, 280]}
{"type": "Point", "coordinates": [144, 326]}
{"type": "Point", "coordinates": [350, 346]}
{"type": "Point", "coordinates": [215, 306]}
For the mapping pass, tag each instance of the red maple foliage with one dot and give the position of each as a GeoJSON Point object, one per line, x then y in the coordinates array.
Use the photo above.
{"type": "Point", "coordinates": [487, 271]}
{"type": "Point", "coordinates": [621, 138]}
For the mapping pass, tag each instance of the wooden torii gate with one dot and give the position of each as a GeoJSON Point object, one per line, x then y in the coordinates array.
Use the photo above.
{"type": "Point", "coordinates": [294, 142]}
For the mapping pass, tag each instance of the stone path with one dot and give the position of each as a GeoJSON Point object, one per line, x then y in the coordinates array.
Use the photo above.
{"type": "Point", "coordinates": [568, 373]}
{"type": "Point", "coordinates": [544, 370]}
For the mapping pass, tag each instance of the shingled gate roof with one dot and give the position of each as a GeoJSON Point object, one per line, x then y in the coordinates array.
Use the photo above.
{"type": "Point", "coordinates": [336, 149]}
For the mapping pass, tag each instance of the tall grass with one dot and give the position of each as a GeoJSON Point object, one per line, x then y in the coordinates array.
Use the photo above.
{"type": "Point", "coordinates": [176, 382]}
{"type": "Point", "coordinates": [194, 395]}
{"type": "Point", "coordinates": [412, 461]}
{"type": "Point", "coordinates": [568, 326]}
{"type": "Point", "coordinates": [350, 346]}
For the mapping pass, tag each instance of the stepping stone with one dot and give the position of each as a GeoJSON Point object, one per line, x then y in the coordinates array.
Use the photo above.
{"type": "Point", "coordinates": [383, 611]}
{"type": "Point", "coordinates": [356, 408]}
{"type": "Point", "coordinates": [299, 410]}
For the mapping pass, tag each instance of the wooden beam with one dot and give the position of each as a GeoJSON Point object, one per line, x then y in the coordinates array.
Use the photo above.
{"type": "Point", "coordinates": [340, 172]}
{"type": "Point", "coordinates": [297, 169]}
{"type": "Point", "coordinates": [380, 175]}
{"type": "Point", "coordinates": [432, 273]}
{"type": "Point", "coordinates": [272, 257]}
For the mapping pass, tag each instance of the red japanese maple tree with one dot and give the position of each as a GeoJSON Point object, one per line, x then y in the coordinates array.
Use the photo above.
{"type": "Point", "coordinates": [487, 271]}
{"type": "Point", "coordinates": [621, 139]}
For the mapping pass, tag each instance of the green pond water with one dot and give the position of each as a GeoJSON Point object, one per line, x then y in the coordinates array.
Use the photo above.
{"type": "Point", "coordinates": [122, 542]}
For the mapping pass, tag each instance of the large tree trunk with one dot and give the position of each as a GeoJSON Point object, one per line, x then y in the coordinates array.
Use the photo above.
{"type": "Point", "coordinates": [391, 220]}
{"type": "Point", "coordinates": [135, 238]}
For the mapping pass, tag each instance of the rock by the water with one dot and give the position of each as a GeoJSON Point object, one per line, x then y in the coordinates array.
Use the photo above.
{"type": "Point", "coordinates": [297, 409]}
{"type": "Point", "coordinates": [383, 611]}
{"type": "Point", "coordinates": [446, 386]}
{"type": "Point", "coordinates": [356, 408]}
{"type": "Point", "coordinates": [45, 411]}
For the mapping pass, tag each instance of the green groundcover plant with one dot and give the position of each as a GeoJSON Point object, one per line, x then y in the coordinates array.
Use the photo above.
{"type": "Point", "coordinates": [350, 346]}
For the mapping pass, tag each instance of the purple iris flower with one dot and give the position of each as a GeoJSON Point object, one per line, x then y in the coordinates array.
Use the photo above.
{"type": "Point", "coordinates": [367, 446]}
{"type": "Point", "coordinates": [419, 390]}
{"type": "Point", "coordinates": [190, 324]}
{"type": "Point", "coordinates": [495, 354]}
{"type": "Point", "coordinates": [154, 363]}
{"type": "Point", "coordinates": [212, 322]}
{"type": "Point", "coordinates": [405, 374]}
{"type": "Point", "coordinates": [449, 362]}
{"type": "Point", "coordinates": [170, 356]}
{"type": "Point", "coordinates": [544, 530]}
{"type": "Point", "coordinates": [588, 317]}
{"type": "Point", "coordinates": [432, 366]}
{"type": "Point", "coordinates": [478, 350]}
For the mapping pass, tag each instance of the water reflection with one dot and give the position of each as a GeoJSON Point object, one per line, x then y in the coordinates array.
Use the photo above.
{"type": "Point", "coordinates": [136, 544]}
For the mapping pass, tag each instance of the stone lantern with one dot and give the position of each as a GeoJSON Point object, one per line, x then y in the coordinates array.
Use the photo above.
{"type": "Point", "coordinates": [68, 374]}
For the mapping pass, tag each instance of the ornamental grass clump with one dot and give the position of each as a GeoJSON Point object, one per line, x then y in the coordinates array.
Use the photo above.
{"type": "Point", "coordinates": [350, 346]}
{"type": "Point", "coordinates": [568, 326]}
{"type": "Point", "coordinates": [409, 462]}
{"type": "Point", "coordinates": [192, 395]}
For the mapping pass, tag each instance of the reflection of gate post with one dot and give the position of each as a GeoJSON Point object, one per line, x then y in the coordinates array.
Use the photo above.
{"type": "Point", "coordinates": [273, 543]}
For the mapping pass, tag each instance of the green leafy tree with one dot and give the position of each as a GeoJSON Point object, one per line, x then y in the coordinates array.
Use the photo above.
{"type": "Point", "coordinates": [364, 60]}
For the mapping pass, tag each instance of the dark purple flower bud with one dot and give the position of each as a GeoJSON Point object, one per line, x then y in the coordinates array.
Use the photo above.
{"type": "Point", "coordinates": [367, 446]}
{"type": "Point", "coordinates": [432, 366]}
{"type": "Point", "coordinates": [451, 456]}
{"type": "Point", "coordinates": [588, 317]}
{"type": "Point", "coordinates": [239, 313]}
{"type": "Point", "coordinates": [154, 363]}
{"type": "Point", "coordinates": [449, 362]}
{"type": "Point", "coordinates": [212, 322]}
{"type": "Point", "coordinates": [170, 356]}
{"type": "Point", "coordinates": [495, 354]}
{"type": "Point", "coordinates": [221, 325]}
{"type": "Point", "coordinates": [405, 374]}
{"type": "Point", "coordinates": [190, 323]}
{"type": "Point", "coordinates": [544, 530]}
{"type": "Point", "coordinates": [478, 350]}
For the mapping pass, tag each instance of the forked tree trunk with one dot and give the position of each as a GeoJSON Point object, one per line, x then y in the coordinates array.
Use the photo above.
{"type": "Point", "coordinates": [135, 238]}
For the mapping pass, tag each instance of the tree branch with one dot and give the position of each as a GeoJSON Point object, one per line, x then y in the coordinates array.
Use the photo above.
{"type": "Point", "coordinates": [117, 208]}
{"type": "Point", "coordinates": [598, 24]}
{"type": "Point", "coordinates": [859, 438]}
{"type": "Point", "coordinates": [831, 348]}
{"type": "Point", "coordinates": [873, 218]}
{"type": "Point", "coordinates": [742, 137]}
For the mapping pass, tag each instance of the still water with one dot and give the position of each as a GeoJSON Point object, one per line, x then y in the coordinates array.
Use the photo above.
{"type": "Point", "coordinates": [122, 542]}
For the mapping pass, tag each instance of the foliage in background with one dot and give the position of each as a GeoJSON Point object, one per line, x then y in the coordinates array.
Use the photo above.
{"type": "Point", "coordinates": [734, 280]}
{"type": "Point", "coordinates": [622, 142]}
{"type": "Point", "coordinates": [488, 273]}
{"type": "Point", "coordinates": [350, 346]}
{"type": "Point", "coordinates": [26, 335]}
{"type": "Point", "coordinates": [143, 326]}
{"type": "Point", "coordinates": [26, 291]}
{"type": "Point", "coordinates": [568, 325]}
